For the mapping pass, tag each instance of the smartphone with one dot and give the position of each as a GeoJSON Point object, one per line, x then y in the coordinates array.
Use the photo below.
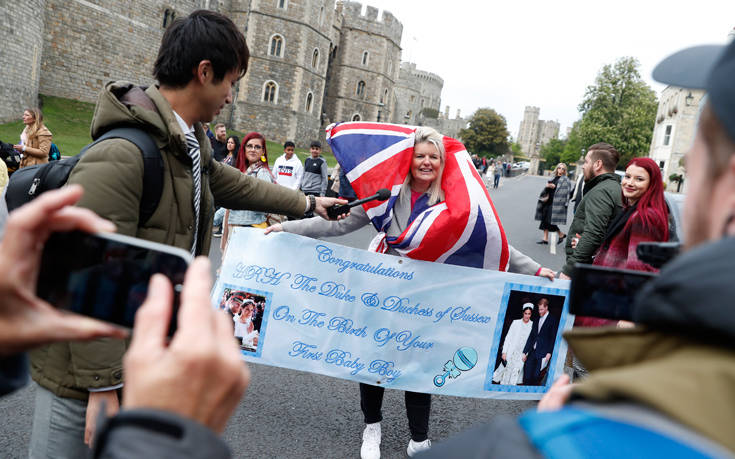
{"type": "Point", "coordinates": [605, 293]}
{"type": "Point", "coordinates": [105, 275]}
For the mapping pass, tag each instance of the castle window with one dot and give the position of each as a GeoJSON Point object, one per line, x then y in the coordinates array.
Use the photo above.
{"type": "Point", "coordinates": [168, 17]}
{"type": "Point", "coordinates": [270, 92]}
{"type": "Point", "coordinates": [309, 100]}
{"type": "Point", "coordinates": [282, 4]}
{"type": "Point", "coordinates": [360, 90]}
{"type": "Point", "coordinates": [667, 135]}
{"type": "Point", "coordinates": [413, 99]}
{"type": "Point", "coordinates": [276, 47]}
{"type": "Point", "coordinates": [365, 56]}
{"type": "Point", "coordinates": [390, 67]}
{"type": "Point", "coordinates": [356, 117]}
{"type": "Point", "coordinates": [315, 59]}
{"type": "Point", "coordinates": [384, 99]}
{"type": "Point", "coordinates": [321, 16]}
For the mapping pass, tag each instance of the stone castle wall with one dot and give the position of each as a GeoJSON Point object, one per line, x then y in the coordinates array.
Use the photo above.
{"type": "Point", "coordinates": [88, 44]}
{"type": "Point", "coordinates": [295, 72]}
{"type": "Point", "coordinates": [380, 38]}
{"type": "Point", "coordinates": [20, 54]}
{"type": "Point", "coordinates": [71, 48]}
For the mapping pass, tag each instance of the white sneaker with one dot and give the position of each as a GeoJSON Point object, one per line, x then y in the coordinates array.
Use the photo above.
{"type": "Point", "coordinates": [370, 441]}
{"type": "Point", "coordinates": [415, 447]}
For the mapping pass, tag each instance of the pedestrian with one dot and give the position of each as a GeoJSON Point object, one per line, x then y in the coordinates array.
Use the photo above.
{"type": "Point", "coordinates": [498, 171]}
{"type": "Point", "coordinates": [233, 146]}
{"type": "Point", "coordinates": [35, 140]}
{"type": "Point", "coordinates": [75, 380]}
{"type": "Point", "coordinates": [578, 189]}
{"type": "Point", "coordinates": [421, 189]}
{"type": "Point", "coordinates": [287, 168]}
{"type": "Point", "coordinates": [663, 389]}
{"type": "Point", "coordinates": [219, 144]}
{"type": "Point", "coordinates": [601, 202]}
{"type": "Point", "coordinates": [315, 177]}
{"type": "Point", "coordinates": [252, 160]}
{"type": "Point", "coordinates": [551, 208]}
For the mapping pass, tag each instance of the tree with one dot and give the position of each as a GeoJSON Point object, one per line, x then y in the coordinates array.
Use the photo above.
{"type": "Point", "coordinates": [620, 109]}
{"type": "Point", "coordinates": [487, 133]}
{"type": "Point", "coordinates": [573, 147]}
{"type": "Point", "coordinates": [515, 147]}
{"type": "Point", "coordinates": [552, 151]}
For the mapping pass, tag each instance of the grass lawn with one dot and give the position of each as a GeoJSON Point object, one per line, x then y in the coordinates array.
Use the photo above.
{"type": "Point", "coordinates": [69, 120]}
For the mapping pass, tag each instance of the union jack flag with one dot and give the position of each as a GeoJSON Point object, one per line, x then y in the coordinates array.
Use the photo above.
{"type": "Point", "coordinates": [464, 229]}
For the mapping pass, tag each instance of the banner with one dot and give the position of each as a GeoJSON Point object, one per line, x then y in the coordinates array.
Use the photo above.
{"type": "Point", "coordinates": [390, 321]}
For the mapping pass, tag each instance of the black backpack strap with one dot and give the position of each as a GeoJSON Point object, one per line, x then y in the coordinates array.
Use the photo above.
{"type": "Point", "coordinates": [152, 166]}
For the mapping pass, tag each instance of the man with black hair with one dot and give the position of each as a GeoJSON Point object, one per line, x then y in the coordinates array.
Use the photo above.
{"type": "Point", "coordinates": [200, 59]}
{"type": "Point", "coordinates": [287, 168]}
{"type": "Point", "coordinates": [314, 180]}
{"type": "Point", "coordinates": [601, 202]}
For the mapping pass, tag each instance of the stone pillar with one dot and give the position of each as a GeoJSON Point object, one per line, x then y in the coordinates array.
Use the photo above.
{"type": "Point", "coordinates": [533, 168]}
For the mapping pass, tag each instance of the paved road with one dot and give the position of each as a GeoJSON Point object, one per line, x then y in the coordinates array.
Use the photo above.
{"type": "Point", "coordinates": [294, 414]}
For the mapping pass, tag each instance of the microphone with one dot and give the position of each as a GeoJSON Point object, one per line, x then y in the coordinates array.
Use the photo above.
{"type": "Point", "coordinates": [341, 209]}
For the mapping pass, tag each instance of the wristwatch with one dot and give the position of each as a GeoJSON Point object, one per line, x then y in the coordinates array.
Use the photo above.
{"type": "Point", "coordinates": [312, 203]}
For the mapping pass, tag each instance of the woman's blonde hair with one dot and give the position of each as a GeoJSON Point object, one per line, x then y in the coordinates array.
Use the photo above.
{"type": "Point", "coordinates": [426, 134]}
{"type": "Point", "coordinates": [37, 121]}
{"type": "Point", "coordinates": [561, 165]}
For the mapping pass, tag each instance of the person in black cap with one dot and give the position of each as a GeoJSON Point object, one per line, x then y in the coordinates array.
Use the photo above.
{"type": "Point", "coordinates": [665, 387]}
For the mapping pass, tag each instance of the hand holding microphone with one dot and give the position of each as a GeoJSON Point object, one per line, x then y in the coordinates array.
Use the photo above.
{"type": "Point", "coordinates": [337, 210]}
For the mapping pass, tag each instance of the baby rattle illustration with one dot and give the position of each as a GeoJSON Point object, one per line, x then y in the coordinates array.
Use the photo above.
{"type": "Point", "coordinates": [464, 360]}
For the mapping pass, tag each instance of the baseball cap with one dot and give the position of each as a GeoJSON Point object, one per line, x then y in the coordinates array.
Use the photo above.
{"type": "Point", "coordinates": [708, 67]}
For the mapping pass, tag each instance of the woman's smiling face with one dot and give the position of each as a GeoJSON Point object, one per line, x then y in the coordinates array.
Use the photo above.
{"type": "Point", "coordinates": [425, 165]}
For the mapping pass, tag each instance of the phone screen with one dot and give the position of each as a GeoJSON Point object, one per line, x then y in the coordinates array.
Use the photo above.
{"type": "Point", "coordinates": [105, 277]}
{"type": "Point", "coordinates": [605, 293]}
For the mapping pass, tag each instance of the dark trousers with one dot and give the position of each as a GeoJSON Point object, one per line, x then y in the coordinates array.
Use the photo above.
{"type": "Point", "coordinates": [531, 369]}
{"type": "Point", "coordinates": [418, 409]}
{"type": "Point", "coordinates": [497, 180]}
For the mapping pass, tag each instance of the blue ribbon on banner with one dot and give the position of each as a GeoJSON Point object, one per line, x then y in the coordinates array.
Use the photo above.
{"type": "Point", "coordinates": [310, 305]}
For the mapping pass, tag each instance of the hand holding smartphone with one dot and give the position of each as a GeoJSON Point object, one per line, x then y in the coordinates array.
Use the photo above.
{"type": "Point", "coordinates": [106, 275]}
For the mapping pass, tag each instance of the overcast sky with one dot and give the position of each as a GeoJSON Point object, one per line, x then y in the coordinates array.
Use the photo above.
{"type": "Point", "coordinates": [512, 53]}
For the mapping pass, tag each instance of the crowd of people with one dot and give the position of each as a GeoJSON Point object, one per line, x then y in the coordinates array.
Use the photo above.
{"type": "Point", "coordinates": [639, 370]}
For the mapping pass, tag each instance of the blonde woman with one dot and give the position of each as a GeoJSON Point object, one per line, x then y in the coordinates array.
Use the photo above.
{"type": "Point", "coordinates": [35, 140]}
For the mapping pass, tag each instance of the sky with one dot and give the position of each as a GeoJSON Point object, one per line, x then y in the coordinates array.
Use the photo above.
{"type": "Point", "coordinates": [509, 54]}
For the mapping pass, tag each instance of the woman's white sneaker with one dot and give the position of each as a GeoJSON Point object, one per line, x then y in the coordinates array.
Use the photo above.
{"type": "Point", "coordinates": [415, 447]}
{"type": "Point", "coordinates": [370, 441]}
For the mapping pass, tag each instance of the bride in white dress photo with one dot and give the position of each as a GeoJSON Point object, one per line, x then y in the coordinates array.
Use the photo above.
{"type": "Point", "coordinates": [510, 369]}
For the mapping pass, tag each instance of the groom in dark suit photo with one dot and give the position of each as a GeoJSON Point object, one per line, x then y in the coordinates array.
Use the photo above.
{"type": "Point", "coordinates": [540, 345]}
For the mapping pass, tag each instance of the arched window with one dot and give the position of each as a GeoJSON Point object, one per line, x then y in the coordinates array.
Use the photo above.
{"type": "Point", "coordinates": [282, 4]}
{"type": "Point", "coordinates": [276, 46]}
{"type": "Point", "coordinates": [168, 17]}
{"type": "Point", "coordinates": [360, 90]}
{"type": "Point", "coordinates": [390, 67]}
{"type": "Point", "coordinates": [365, 56]}
{"type": "Point", "coordinates": [270, 92]}
{"type": "Point", "coordinates": [384, 98]}
{"type": "Point", "coordinates": [321, 16]}
{"type": "Point", "coordinates": [309, 102]}
{"type": "Point", "coordinates": [315, 59]}
{"type": "Point", "coordinates": [356, 117]}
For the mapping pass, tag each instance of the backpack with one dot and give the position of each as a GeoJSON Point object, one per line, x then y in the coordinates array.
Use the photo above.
{"type": "Point", "coordinates": [54, 154]}
{"type": "Point", "coordinates": [29, 182]}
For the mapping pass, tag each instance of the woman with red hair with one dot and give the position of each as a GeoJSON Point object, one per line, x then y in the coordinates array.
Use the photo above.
{"type": "Point", "coordinates": [645, 218]}
{"type": "Point", "coordinates": [252, 159]}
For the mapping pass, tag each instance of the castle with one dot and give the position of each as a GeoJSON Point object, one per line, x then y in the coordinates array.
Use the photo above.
{"type": "Point", "coordinates": [312, 62]}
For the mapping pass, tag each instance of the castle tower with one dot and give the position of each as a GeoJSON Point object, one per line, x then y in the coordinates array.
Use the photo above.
{"type": "Point", "coordinates": [528, 131]}
{"type": "Point", "coordinates": [282, 94]}
{"type": "Point", "coordinates": [416, 90]}
{"type": "Point", "coordinates": [21, 56]}
{"type": "Point", "coordinates": [364, 68]}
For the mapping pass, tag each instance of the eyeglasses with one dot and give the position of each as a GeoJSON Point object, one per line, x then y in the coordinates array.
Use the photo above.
{"type": "Point", "coordinates": [253, 147]}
